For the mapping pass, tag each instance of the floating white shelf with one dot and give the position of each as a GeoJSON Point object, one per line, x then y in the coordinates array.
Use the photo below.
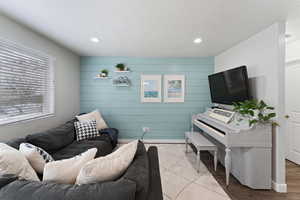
{"type": "Point", "coordinates": [122, 71]}
{"type": "Point", "coordinates": [121, 85]}
{"type": "Point", "coordinates": [102, 78]}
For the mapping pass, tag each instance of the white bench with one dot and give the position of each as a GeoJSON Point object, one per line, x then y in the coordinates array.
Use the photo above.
{"type": "Point", "coordinates": [201, 143]}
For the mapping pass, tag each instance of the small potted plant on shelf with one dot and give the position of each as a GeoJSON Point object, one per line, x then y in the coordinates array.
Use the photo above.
{"type": "Point", "coordinates": [121, 67]}
{"type": "Point", "coordinates": [104, 73]}
{"type": "Point", "coordinates": [257, 112]}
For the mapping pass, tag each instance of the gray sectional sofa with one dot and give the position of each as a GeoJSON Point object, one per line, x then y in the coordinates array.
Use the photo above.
{"type": "Point", "coordinates": [141, 181]}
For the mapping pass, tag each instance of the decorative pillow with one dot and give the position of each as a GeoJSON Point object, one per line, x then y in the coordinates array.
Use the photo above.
{"type": "Point", "coordinates": [86, 130]}
{"type": "Point", "coordinates": [66, 171]}
{"type": "Point", "coordinates": [109, 167]}
{"type": "Point", "coordinates": [95, 115]}
{"type": "Point", "coordinates": [14, 162]}
{"type": "Point", "coordinates": [36, 156]}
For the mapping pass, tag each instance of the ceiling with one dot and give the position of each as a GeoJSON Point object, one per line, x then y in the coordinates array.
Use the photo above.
{"type": "Point", "coordinates": [293, 22]}
{"type": "Point", "coordinates": [146, 28]}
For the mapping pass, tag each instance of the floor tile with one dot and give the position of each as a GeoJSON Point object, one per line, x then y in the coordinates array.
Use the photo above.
{"type": "Point", "coordinates": [180, 177]}
{"type": "Point", "coordinates": [172, 184]}
{"type": "Point", "coordinates": [197, 192]}
{"type": "Point", "coordinates": [209, 182]}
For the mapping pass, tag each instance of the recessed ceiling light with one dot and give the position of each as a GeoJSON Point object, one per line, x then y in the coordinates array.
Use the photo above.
{"type": "Point", "coordinates": [197, 40]}
{"type": "Point", "coordinates": [287, 36]}
{"type": "Point", "coordinates": [95, 40]}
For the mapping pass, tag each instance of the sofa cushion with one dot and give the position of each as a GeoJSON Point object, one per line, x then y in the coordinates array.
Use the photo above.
{"type": "Point", "coordinates": [108, 168]}
{"type": "Point", "coordinates": [66, 170]}
{"type": "Point", "coordinates": [102, 143]}
{"type": "Point", "coordinates": [113, 135]}
{"type": "Point", "coordinates": [85, 130]}
{"type": "Point", "coordinates": [15, 143]}
{"type": "Point", "coordinates": [121, 189]}
{"type": "Point", "coordinates": [54, 139]}
{"type": "Point", "coordinates": [95, 115]}
{"type": "Point", "coordinates": [138, 172]}
{"type": "Point", "coordinates": [36, 156]}
{"type": "Point", "coordinates": [14, 162]}
{"type": "Point", "coordinates": [6, 179]}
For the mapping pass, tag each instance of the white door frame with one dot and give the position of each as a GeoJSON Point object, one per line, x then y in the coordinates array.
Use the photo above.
{"type": "Point", "coordinates": [293, 63]}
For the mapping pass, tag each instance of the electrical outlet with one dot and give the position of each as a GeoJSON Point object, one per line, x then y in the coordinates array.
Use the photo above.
{"type": "Point", "coordinates": [146, 129]}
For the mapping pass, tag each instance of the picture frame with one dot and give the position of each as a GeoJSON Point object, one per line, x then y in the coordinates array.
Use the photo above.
{"type": "Point", "coordinates": [174, 88]}
{"type": "Point", "coordinates": [151, 88]}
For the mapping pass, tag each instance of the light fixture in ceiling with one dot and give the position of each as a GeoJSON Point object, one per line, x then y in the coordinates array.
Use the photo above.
{"type": "Point", "coordinates": [198, 40]}
{"type": "Point", "coordinates": [95, 40]}
{"type": "Point", "coordinates": [287, 36]}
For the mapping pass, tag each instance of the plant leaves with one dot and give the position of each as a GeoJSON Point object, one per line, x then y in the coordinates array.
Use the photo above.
{"type": "Point", "coordinates": [253, 121]}
{"type": "Point", "coordinates": [271, 115]}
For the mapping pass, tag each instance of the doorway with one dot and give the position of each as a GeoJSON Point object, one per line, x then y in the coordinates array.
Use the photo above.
{"type": "Point", "coordinates": [293, 111]}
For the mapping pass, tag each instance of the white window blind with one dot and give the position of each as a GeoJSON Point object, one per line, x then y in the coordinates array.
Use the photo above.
{"type": "Point", "coordinates": [26, 83]}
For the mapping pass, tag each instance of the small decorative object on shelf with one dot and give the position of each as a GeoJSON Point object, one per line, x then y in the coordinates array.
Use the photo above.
{"type": "Point", "coordinates": [103, 74]}
{"type": "Point", "coordinates": [122, 68]}
{"type": "Point", "coordinates": [257, 112]}
{"type": "Point", "coordinates": [122, 81]}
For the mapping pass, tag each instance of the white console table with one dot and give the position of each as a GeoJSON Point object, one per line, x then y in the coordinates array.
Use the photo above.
{"type": "Point", "coordinates": [247, 151]}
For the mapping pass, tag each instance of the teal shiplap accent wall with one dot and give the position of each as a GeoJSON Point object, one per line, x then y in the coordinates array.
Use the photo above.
{"type": "Point", "coordinates": [121, 107]}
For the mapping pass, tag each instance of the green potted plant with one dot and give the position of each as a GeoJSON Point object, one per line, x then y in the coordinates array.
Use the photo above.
{"type": "Point", "coordinates": [120, 67]}
{"type": "Point", "coordinates": [104, 73]}
{"type": "Point", "coordinates": [257, 112]}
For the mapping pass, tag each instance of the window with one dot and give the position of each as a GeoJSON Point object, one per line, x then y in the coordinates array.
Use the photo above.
{"type": "Point", "coordinates": [26, 83]}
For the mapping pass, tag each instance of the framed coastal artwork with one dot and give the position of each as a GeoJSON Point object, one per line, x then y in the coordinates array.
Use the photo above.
{"type": "Point", "coordinates": [174, 88]}
{"type": "Point", "coordinates": [151, 88]}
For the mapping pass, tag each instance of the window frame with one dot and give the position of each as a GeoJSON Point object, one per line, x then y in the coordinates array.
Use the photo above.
{"type": "Point", "coordinates": [51, 88]}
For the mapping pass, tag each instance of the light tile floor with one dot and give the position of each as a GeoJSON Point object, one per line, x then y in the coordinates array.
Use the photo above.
{"type": "Point", "coordinates": [180, 180]}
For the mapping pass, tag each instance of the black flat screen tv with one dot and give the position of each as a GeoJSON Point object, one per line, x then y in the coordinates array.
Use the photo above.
{"type": "Point", "coordinates": [229, 86]}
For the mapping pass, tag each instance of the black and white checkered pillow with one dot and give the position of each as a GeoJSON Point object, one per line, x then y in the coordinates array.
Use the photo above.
{"type": "Point", "coordinates": [86, 130]}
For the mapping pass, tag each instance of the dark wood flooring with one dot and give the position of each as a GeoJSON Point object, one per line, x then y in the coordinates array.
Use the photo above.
{"type": "Point", "coordinates": [239, 192]}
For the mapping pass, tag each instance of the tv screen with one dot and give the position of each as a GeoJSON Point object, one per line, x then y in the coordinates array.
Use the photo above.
{"type": "Point", "coordinates": [229, 86]}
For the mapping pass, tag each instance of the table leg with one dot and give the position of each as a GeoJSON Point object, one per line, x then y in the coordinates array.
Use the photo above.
{"type": "Point", "coordinates": [216, 159]}
{"type": "Point", "coordinates": [227, 164]}
{"type": "Point", "coordinates": [186, 145]}
{"type": "Point", "coordinates": [198, 160]}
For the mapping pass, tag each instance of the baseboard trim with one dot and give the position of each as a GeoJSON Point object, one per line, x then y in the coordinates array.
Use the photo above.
{"type": "Point", "coordinates": [279, 187]}
{"type": "Point", "coordinates": [156, 141]}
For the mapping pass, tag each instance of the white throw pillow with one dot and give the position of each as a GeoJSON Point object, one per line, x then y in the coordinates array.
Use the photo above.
{"type": "Point", "coordinates": [95, 115]}
{"type": "Point", "coordinates": [36, 156]}
{"type": "Point", "coordinates": [66, 171]}
{"type": "Point", "coordinates": [109, 167]}
{"type": "Point", "coordinates": [14, 162]}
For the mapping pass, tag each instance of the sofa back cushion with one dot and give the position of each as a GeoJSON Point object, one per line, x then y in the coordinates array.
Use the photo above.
{"type": "Point", "coordinates": [139, 172]}
{"type": "Point", "coordinates": [15, 143]}
{"type": "Point", "coordinates": [19, 189]}
{"type": "Point", "coordinates": [54, 139]}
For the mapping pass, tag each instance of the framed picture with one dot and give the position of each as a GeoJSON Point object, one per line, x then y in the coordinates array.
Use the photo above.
{"type": "Point", "coordinates": [151, 88]}
{"type": "Point", "coordinates": [174, 88]}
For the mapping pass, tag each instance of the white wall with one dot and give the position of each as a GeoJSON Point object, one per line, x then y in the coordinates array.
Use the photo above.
{"type": "Point", "coordinates": [67, 68]}
{"type": "Point", "coordinates": [264, 55]}
{"type": "Point", "coordinates": [293, 51]}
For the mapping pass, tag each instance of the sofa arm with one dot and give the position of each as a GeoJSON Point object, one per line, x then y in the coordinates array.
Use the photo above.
{"type": "Point", "coordinates": [155, 188]}
{"type": "Point", "coordinates": [6, 179]}
{"type": "Point", "coordinates": [113, 135]}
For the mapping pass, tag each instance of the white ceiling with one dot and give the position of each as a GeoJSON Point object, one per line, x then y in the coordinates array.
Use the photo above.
{"type": "Point", "coordinates": [146, 28]}
{"type": "Point", "coordinates": [293, 22]}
